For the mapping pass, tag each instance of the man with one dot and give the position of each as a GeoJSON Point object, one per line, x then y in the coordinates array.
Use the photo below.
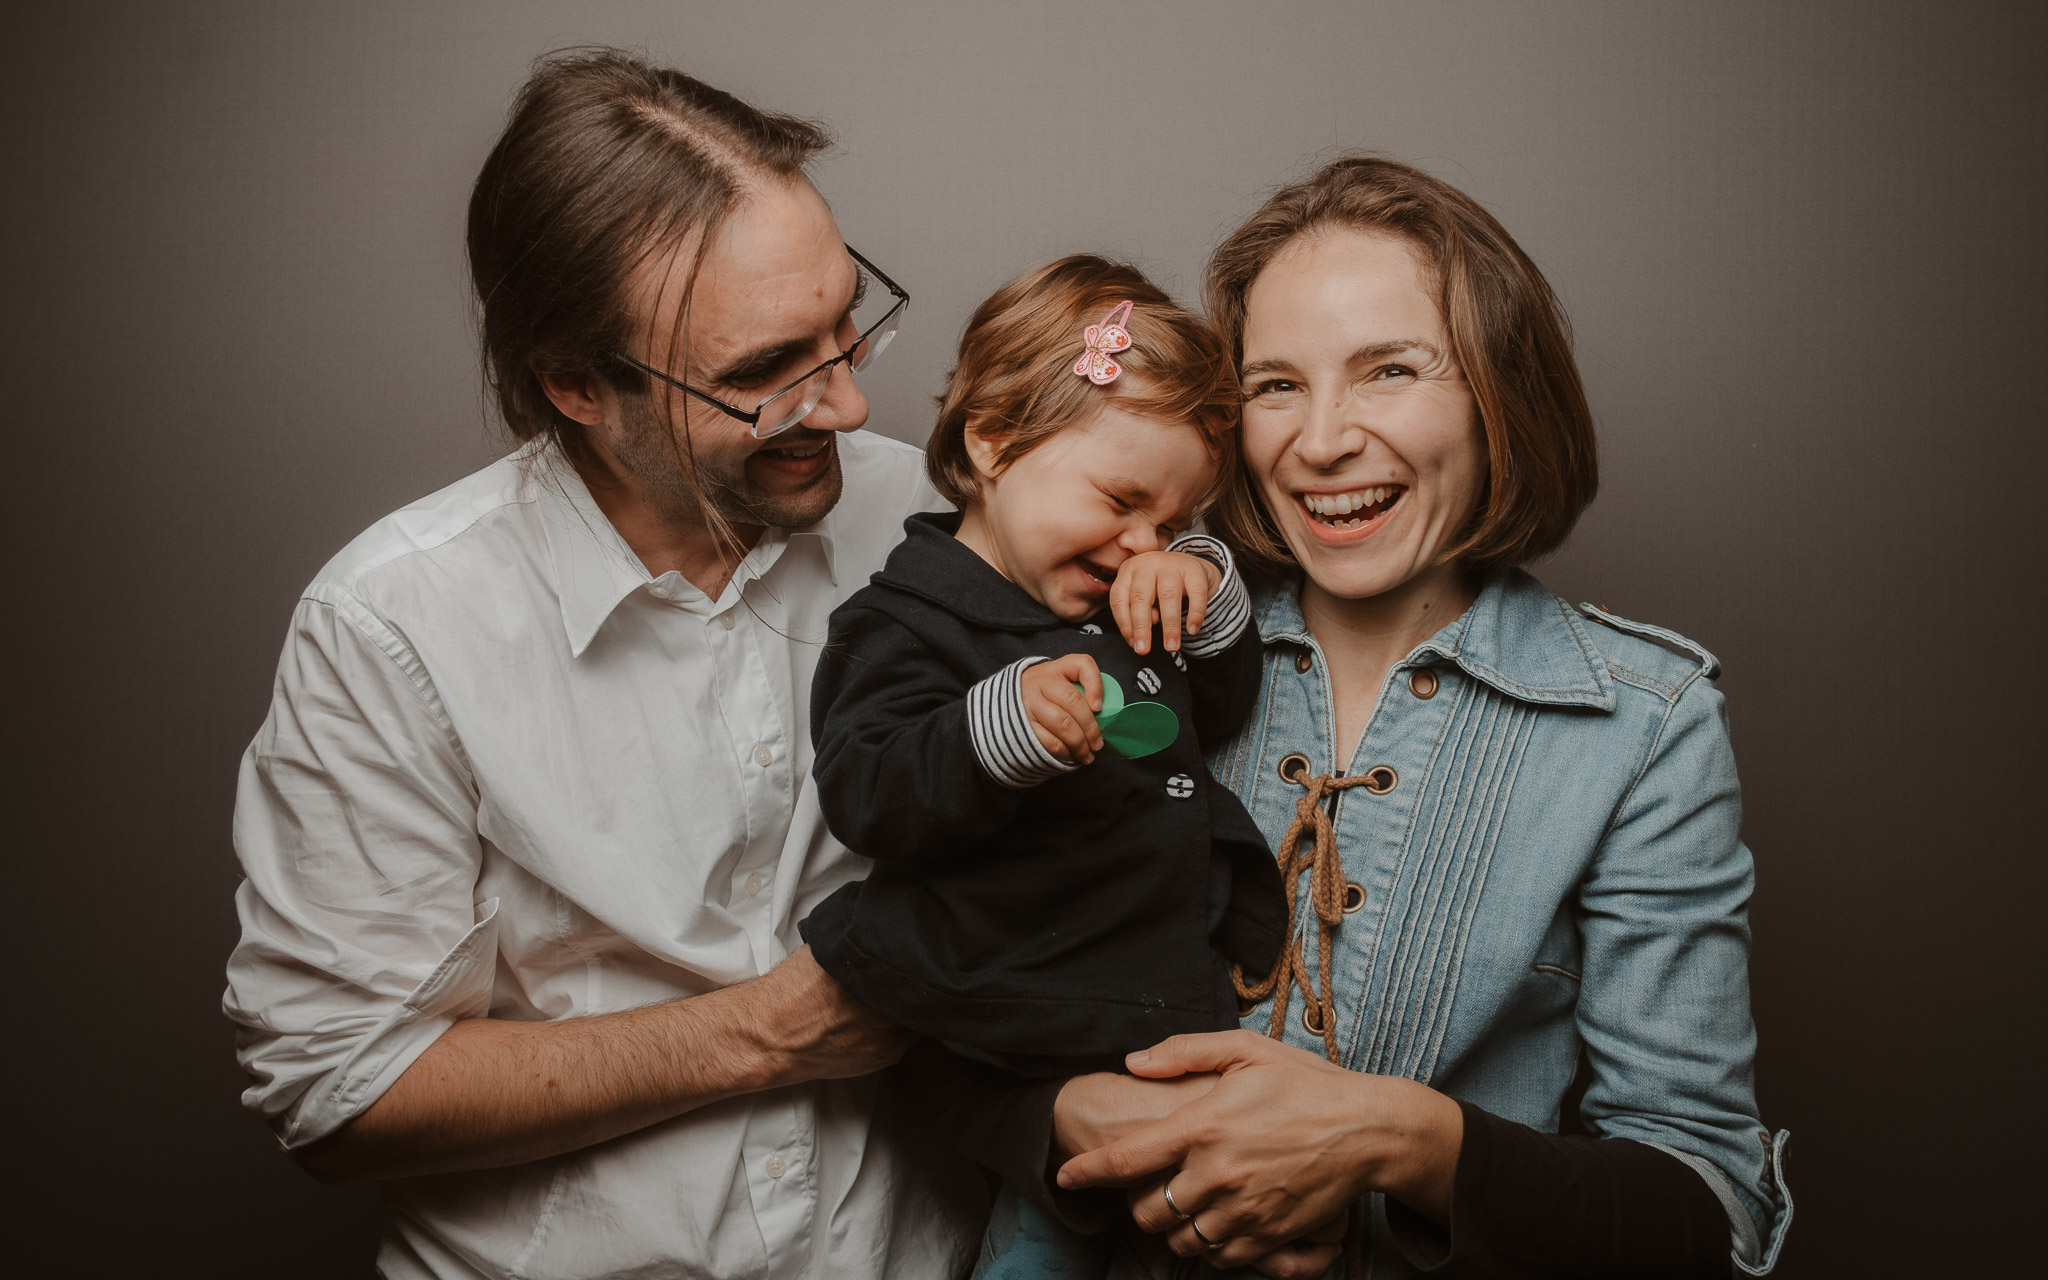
{"type": "Point", "coordinates": [530, 824]}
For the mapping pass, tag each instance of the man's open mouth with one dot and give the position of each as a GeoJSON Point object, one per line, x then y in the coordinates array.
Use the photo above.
{"type": "Point", "coordinates": [798, 450]}
{"type": "Point", "coordinates": [1354, 508]}
{"type": "Point", "coordinates": [1104, 576]}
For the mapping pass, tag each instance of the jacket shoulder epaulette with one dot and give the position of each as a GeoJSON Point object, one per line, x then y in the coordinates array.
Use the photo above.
{"type": "Point", "coordinates": [1662, 637]}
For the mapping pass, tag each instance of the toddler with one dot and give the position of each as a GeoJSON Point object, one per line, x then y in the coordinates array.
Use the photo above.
{"type": "Point", "coordinates": [1011, 718]}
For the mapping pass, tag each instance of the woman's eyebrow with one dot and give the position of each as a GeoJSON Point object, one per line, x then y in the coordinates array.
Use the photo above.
{"type": "Point", "coordinates": [1381, 350]}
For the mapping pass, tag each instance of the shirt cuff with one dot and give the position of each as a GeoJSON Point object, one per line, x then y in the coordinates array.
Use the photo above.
{"type": "Point", "coordinates": [1009, 751]}
{"type": "Point", "coordinates": [1230, 609]}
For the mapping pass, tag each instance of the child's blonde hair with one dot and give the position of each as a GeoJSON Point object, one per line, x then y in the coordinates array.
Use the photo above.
{"type": "Point", "coordinates": [1014, 380]}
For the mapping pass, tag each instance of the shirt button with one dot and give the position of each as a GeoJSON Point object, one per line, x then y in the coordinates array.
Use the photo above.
{"type": "Point", "coordinates": [1422, 682]}
{"type": "Point", "coordinates": [775, 1166]}
{"type": "Point", "coordinates": [763, 756]}
{"type": "Point", "coordinates": [754, 883]}
{"type": "Point", "coordinates": [725, 619]}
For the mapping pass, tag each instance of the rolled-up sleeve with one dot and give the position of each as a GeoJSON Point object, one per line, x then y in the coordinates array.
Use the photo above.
{"type": "Point", "coordinates": [1664, 1010]}
{"type": "Point", "coordinates": [355, 822]}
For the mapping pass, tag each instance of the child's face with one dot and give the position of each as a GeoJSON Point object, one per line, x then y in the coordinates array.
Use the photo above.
{"type": "Point", "coordinates": [1060, 520]}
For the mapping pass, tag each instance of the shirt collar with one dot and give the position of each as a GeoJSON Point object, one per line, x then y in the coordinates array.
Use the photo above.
{"type": "Point", "coordinates": [595, 569]}
{"type": "Point", "coordinates": [932, 564]}
{"type": "Point", "coordinates": [1517, 637]}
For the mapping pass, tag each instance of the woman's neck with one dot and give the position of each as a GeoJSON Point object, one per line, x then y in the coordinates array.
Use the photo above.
{"type": "Point", "coordinates": [1362, 639]}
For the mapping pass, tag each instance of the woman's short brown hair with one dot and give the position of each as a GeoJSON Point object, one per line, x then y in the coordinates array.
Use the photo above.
{"type": "Point", "coordinates": [1508, 334]}
{"type": "Point", "coordinates": [1014, 379]}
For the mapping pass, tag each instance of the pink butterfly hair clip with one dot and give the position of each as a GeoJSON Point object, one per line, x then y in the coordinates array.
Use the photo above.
{"type": "Point", "coordinates": [1105, 340]}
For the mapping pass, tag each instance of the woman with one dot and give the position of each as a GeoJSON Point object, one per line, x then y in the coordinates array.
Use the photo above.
{"type": "Point", "coordinates": [1519, 820]}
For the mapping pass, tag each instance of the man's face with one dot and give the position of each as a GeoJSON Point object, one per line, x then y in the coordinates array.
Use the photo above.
{"type": "Point", "coordinates": [771, 303]}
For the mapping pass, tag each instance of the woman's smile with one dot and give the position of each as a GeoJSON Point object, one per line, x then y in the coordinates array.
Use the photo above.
{"type": "Point", "coordinates": [1360, 431]}
{"type": "Point", "coordinates": [1350, 514]}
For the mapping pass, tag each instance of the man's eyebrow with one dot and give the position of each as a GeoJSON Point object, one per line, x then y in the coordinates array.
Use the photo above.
{"type": "Point", "coordinates": [756, 362]}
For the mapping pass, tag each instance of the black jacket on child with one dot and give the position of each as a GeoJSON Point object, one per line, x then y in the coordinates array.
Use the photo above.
{"type": "Point", "coordinates": [1047, 926]}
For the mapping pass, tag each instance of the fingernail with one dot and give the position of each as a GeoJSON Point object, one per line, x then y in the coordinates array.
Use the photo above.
{"type": "Point", "coordinates": [1138, 1059]}
{"type": "Point", "coordinates": [1066, 1183]}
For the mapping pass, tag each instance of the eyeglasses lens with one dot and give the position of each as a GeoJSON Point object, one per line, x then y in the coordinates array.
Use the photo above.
{"type": "Point", "coordinates": [872, 322]}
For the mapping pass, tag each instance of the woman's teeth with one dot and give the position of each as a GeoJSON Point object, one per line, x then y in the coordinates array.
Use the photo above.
{"type": "Point", "coordinates": [1335, 509]}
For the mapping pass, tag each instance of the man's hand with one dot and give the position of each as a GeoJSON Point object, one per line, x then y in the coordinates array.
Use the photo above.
{"type": "Point", "coordinates": [821, 1032]}
{"type": "Point", "coordinates": [1062, 716]}
{"type": "Point", "coordinates": [1153, 587]}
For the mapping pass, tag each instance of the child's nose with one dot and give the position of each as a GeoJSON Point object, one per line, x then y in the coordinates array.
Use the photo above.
{"type": "Point", "coordinates": [1138, 539]}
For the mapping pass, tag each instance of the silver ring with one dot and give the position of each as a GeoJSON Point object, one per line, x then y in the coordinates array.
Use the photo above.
{"type": "Point", "coordinates": [1184, 1217]}
{"type": "Point", "coordinates": [1211, 1245]}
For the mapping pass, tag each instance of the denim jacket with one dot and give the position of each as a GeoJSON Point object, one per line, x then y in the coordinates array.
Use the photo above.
{"type": "Point", "coordinates": [1557, 865]}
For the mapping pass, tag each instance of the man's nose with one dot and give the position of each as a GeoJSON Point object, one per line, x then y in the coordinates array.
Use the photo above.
{"type": "Point", "coordinates": [842, 407]}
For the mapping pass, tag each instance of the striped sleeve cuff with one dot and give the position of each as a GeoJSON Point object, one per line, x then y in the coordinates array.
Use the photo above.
{"type": "Point", "coordinates": [1230, 609]}
{"type": "Point", "coordinates": [1008, 750]}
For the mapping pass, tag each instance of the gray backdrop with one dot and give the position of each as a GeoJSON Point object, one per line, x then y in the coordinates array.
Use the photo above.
{"type": "Point", "coordinates": [1801, 245]}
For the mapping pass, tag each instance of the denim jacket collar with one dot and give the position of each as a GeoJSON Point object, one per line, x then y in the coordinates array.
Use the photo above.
{"type": "Point", "coordinates": [1516, 637]}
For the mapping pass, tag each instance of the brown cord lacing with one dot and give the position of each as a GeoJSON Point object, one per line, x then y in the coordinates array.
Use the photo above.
{"type": "Point", "coordinates": [1325, 891]}
{"type": "Point", "coordinates": [1326, 888]}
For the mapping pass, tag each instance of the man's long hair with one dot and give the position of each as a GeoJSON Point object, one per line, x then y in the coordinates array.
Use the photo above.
{"type": "Point", "coordinates": [606, 163]}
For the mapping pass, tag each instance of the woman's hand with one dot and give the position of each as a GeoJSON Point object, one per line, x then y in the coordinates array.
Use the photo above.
{"type": "Point", "coordinates": [1152, 587]}
{"type": "Point", "coordinates": [1282, 1144]}
{"type": "Point", "coordinates": [1309, 1257]}
{"type": "Point", "coordinates": [1093, 1111]}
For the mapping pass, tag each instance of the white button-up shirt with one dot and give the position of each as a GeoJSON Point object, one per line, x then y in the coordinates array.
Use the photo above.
{"type": "Point", "coordinates": [508, 774]}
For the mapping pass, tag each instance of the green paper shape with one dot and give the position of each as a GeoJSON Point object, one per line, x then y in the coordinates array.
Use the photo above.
{"type": "Point", "coordinates": [1141, 729]}
{"type": "Point", "coordinates": [1112, 699]}
{"type": "Point", "coordinates": [1133, 730]}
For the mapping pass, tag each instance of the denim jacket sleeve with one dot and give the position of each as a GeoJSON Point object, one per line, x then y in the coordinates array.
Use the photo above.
{"type": "Point", "coordinates": [1664, 1006]}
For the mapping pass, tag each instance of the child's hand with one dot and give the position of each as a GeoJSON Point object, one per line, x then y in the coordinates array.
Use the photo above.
{"type": "Point", "coordinates": [1151, 587]}
{"type": "Point", "coordinates": [1062, 716]}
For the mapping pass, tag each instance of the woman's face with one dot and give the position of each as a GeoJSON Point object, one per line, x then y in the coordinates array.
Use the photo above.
{"type": "Point", "coordinates": [1359, 430]}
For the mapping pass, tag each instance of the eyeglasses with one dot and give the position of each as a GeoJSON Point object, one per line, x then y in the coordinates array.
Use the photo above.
{"type": "Point", "coordinates": [782, 410]}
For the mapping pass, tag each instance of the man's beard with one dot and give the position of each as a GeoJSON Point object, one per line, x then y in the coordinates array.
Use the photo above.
{"type": "Point", "coordinates": [649, 451]}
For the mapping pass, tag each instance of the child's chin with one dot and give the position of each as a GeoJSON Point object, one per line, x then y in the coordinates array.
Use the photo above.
{"type": "Point", "coordinates": [1073, 608]}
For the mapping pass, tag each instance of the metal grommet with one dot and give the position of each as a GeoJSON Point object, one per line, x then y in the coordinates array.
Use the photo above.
{"type": "Point", "coordinates": [1354, 897]}
{"type": "Point", "coordinates": [1379, 779]}
{"type": "Point", "coordinates": [1245, 1007]}
{"type": "Point", "coordinates": [1303, 661]}
{"type": "Point", "coordinates": [1311, 1024]}
{"type": "Point", "coordinates": [1422, 682]}
{"type": "Point", "coordinates": [1293, 767]}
